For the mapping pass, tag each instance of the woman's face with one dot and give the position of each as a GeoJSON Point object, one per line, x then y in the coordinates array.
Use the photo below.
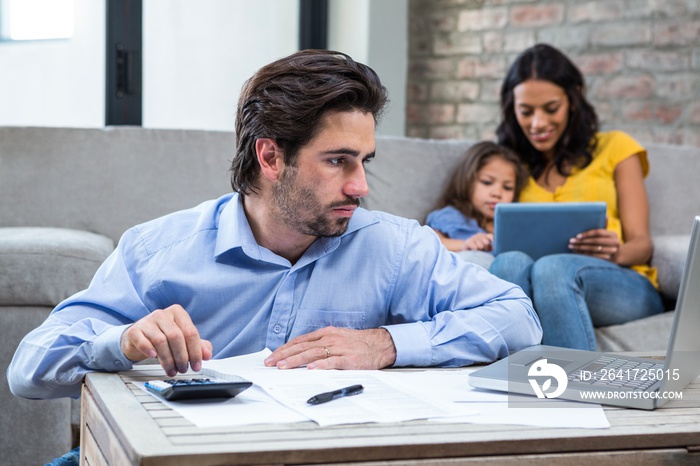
{"type": "Point", "coordinates": [542, 110]}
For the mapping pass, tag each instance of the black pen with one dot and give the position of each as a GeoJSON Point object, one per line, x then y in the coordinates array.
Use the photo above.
{"type": "Point", "coordinates": [328, 396]}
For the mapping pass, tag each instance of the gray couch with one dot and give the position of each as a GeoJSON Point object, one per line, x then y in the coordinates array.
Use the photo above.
{"type": "Point", "coordinates": [66, 196]}
{"type": "Point", "coordinates": [407, 176]}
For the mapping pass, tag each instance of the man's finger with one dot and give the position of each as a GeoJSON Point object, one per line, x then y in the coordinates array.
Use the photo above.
{"type": "Point", "coordinates": [298, 345]}
{"type": "Point", "coordinates": [175, 345]}
{"type": "Point", "coordinates": [135, 346]}
{"type": "Point", "coordinates": [171, 336]}
{"type": "Point", "coordinates": [192, 342]}
{"type": "Point", "coordinates": [294, 355]}
{"type": "Point", "coordinates": [312, 355]}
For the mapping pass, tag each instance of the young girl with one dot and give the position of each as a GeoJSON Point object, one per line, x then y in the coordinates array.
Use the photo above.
{"type": "Point", "coordinates": [486, 175]}
{"type": "Point", "coordinates": [551, 125]}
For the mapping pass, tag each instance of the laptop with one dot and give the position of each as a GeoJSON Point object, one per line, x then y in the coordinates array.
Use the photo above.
{"type": "Point", "coordinates": [542, 228]}
{"type": "Point", "coordinates": [606, 378]}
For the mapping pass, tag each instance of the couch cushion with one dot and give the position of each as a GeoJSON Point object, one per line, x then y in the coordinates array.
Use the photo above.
{"type": "Point", "coordinates": [673, 187]}
{"type": "Point", "coordinates": [43, 266]}
{"type": "Point", "coordinates": [669, 258]}
{"type": "Point", "coordinates": [648, 334]}
{"type": "Point", "coordinates": [407, 176]}
{"type": "Point", "coordinates": [106, 180]}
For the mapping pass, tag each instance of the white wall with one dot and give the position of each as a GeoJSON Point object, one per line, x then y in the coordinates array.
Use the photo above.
{"type": "Point", "coordinates": [375, 32]}
{"type": "Point", "coordinates": [57, 82]}
{"type": "Point", "coordinates": [348, 27]}
{"type": "Point", "coordinates": [196, 56]}
{"type": "Point", "coordinates": [388, 55]}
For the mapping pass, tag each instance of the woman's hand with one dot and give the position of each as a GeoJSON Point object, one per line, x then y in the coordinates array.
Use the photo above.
{"type": "Point", "coordinates": [600, 243]}
{"type": "Point", "coordinates": [479, 242]}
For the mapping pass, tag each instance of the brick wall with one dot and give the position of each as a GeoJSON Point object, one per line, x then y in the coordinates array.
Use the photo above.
{"type": "Point", "coordinates": [641, 60]}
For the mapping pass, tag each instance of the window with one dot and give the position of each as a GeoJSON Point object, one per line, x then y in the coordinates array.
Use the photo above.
{"type": "Point", "coordinates": [36, 19]}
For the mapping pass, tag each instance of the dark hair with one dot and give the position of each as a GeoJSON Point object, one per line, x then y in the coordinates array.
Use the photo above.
{"type": "Point", "coordinates": [458, 192]}
{"type": "Point", "coordinates": [287, 99]}
{"type": "Point", "coordinates": [575, 147]}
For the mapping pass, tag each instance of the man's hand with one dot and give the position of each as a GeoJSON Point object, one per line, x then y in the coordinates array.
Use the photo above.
{"type": "Point", "coordinates": [169, 335]}
{"type": "Point", "coordinates": [336, 348]}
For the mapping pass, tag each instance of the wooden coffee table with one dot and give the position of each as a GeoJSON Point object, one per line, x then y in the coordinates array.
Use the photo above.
{"type": "Point", "coordinates": [122, 425]}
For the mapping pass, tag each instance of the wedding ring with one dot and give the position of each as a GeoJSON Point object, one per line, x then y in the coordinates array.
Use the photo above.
{"type": "Point", "coordinates": [328, 353]}
{"type": "Point", "coordinates": [600, 248]}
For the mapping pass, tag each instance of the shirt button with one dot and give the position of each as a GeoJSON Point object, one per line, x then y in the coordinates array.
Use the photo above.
{"type": "Point", "coordinates": [118, 363]}
{"type": "Point", "coordinates": [277, 328]}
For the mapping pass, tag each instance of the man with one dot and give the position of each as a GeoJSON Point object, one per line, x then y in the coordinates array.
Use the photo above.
{"type": "Point", "coordinates": [289, 261]}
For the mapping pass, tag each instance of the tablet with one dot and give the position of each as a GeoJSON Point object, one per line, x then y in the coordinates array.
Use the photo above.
{"type": "Point", "coordinates": [542, 228]}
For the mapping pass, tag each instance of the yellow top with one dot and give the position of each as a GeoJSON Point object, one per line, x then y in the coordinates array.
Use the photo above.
{"type": "Point", "coordinates": [596, 182]}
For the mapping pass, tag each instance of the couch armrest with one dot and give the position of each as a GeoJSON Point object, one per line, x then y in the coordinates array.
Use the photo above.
{"type": "Point", "coordinates": [669, 259]}
{"type": "Point", "coordinates": [43, 266]}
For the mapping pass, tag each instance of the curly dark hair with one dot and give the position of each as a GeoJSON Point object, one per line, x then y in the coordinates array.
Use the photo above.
{"type": "Point", "coordinates": [287, 99]}
{"type": "Point", "coordinates": [577, 144]}
{"type": "Point", "coordinates": [459, 191]}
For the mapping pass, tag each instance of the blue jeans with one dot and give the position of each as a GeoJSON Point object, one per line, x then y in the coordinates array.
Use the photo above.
{"type": "Point", "coordinates": [72, 458]}
{"type": "Point", "coordinates": [573, 293]}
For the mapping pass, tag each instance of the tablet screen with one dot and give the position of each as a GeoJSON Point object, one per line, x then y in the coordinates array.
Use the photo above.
{"type": "Point", "coordinates": [542, 228]}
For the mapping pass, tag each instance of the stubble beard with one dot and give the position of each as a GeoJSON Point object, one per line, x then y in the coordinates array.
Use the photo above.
{"type": "Point", "coordinates": [300, 209]}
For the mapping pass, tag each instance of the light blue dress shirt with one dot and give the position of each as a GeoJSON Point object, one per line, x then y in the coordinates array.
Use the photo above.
{"type": "Point", "coordinates": [384, 271]}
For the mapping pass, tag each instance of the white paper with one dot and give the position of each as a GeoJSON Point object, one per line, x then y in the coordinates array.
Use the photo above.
{"type": "Point", "coordinates": [280, 396]}
{"type": "Point", "coordinates": [252, 406]}
{"type": "Point", "coordinates": [494, 408]}
{"type": "Point", "coordinates": [384, 398]}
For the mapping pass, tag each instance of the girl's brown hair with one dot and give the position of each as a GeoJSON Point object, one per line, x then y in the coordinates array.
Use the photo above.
{"type": "Point", "coordinates": [458, 192]}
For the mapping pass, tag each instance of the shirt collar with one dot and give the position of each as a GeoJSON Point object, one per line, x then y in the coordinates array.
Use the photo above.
{"type": "Point", "coordinates": [234, 232]}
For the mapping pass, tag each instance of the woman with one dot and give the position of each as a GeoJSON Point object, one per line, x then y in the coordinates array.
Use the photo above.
{"type": "Point", "coordinates": [547, 120]}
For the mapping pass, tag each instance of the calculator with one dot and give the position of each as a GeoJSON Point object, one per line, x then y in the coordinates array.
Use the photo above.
{"type": "Point", "coordinates": [197, 388]}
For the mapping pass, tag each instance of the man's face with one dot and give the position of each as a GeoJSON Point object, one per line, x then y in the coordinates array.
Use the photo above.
{"type": "Point", "coordinates": [319, 193]}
